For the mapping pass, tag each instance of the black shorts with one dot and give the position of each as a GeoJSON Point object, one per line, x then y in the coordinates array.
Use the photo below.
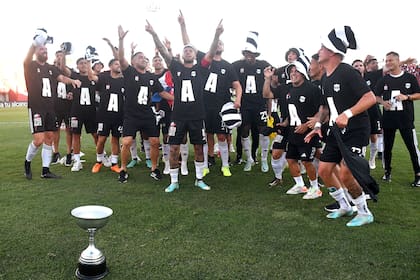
{"type": "Point", "coordinates": [280, 142]}
{"type": "Point", "coordinates": [115, 128]}
{"type": "Point", "coordinates": [166, 122]}
{"type": "Point", "coordinates": [257, 116]}
{"type": "Point", "coordinates": [304, 152]}
{"type": "Point", "coordinates": [78, 120]}
{"type": "Point", "coordinates": [147, 127]}
{"type": "Point", "coordinates": [375, 120]}
{"type": "Point", "coordinates": [214, 122]}
{"type": "Point", "coordinates": [63, 117]}
{"type": "Point", "coordinates": [42, 121]}
{"type": "Point", "coordinates": [356, 141]}
{"type": "Point", "coordinates": [195, 129]}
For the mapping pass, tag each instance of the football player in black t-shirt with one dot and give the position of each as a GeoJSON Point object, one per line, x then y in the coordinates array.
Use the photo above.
{"type": "Point", "coordinates": [138, 114]}
{"type": "Point", "coordinates": [40, 78]}
{"type": "Point", "coordinates": [109, 116]}
{"type": "Point", "coordinates": [188, 112]}
{"type": "Point", "coordinates": [346, 98]}
{"type": "Point", "coordinates": [394, 92]}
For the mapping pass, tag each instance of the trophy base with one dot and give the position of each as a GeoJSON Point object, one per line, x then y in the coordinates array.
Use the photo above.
{"type": "Point", "coordinates": [91, 272]}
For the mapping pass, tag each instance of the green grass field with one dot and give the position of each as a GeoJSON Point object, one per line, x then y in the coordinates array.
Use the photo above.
{"type": "Point", "coordinates": [239, 230]}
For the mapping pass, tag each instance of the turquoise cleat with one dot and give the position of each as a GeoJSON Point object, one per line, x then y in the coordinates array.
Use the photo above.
{"type": "Point", "coordinates": [172, 187]}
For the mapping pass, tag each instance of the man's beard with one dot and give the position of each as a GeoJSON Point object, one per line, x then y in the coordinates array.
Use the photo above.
{"type": "Point", "coordinates": [218, 52]}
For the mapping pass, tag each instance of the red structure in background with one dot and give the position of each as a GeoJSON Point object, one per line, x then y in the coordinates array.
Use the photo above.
{"type": "Point", "coordinates": [17, 97]}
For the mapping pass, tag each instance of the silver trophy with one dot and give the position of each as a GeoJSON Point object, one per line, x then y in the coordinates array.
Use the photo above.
{"type": "Point", "coordinates": [92, 263]}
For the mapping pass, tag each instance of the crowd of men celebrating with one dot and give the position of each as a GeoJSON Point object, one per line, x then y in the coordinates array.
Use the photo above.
{"type": "Point", "coordinates": [289, 111]}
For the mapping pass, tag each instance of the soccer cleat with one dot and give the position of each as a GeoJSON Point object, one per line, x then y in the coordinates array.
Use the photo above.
{"type": "Point", "coordinates": [107, 161]}
{"type": "Point", "coordinates": [226, 171]}
{"type": "Point", "coordinates": [184, 169]}
{"type": "Point", "coordinates": [97, 167]}
{"type": "Point", "coordinates": [416, 182]}
{"type": "Point", "coordinates": [216, 149]}
{"type": "Point", "coordinates": [155, 174]}
{"type": "Point", "coordinates": [313, 193]}
{"type": "Point", "coordinates": [201, 185]}
{"type": "Point", "coordinates": [231, 148]}
{"type": "Point", "coordinates": [122, 178]}
{"type": "Point", "coordinates": [28, 171]}
{"type": "Point", "coordinates": [77, 166]}
{"type": "Point", "coordinates": [55, 158]}
{"type": "Point", "coordinates": [132, 163]}
{"type": "Point", "coordinates": [50, 175]}
{"type": "Point", "coordinates": [275, 182]}
{"type": "Point", "coordinates": [360, 220]}
{"type": "Point", "coordinates": [172, 187]}
{"type": "Point", "coordinates": [332, 207]}
{"type": "Point", "coordinates": [297, 190]}
{"type": "Point", "coordinates": [387, 177]}
{"type": "Point", "coordinates": [68, 161]}
{"type": "Point", "coordinates": [115, 168]}
{"type": "Point", "coordinates": [340, 213]}
{"type": "Point", "coordinates": [248, 165]}
{"type": "Point", "coordinates": [167, 167]}
{"type": "Point", "coordinates": [205, 171]}
{"type": "Point", "coordinates": [372, 163]}
{"type": "Point", "coordinates": [148, 163]}
{"type": "Point", "coordinates": [211, 161]}
{"type": "Point", "coordinates": [264, 166]}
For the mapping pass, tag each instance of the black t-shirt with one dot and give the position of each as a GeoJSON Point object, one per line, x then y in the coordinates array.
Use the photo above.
{"type": "Point", "coordinates": [188, 91]}
{"type": "Point", "coordinates": [302, 103]}
{"type": "Point", "coordinates": [372, 78]}
{"type": "Point", "coordinates": [401, 114]}
{"type": "Point", "coordinates": [41, 83]}
{"type": "Point", "coordinates": [280, 93]}
{"type": "Point", "coordinates": [139, 89]}
{"type": "Point", "coordinates": [251, 77]}
{"type": "Point", "coordinates": [218, 84]}
{"type": "Point", "coordinates": [83, 97]}
{"type": "Point", "coordinates": [342, 90]}
{"type": "Point", "coordinates": [111, 91]}
{"type": "Point", "coordinates": [61, 100]}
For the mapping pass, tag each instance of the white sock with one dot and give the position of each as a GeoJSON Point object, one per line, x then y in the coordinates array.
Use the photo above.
{"type": "Point", "coordinates": [373, 150]}
{"type": "Point", "coordinates": [361, 204]}
{"type": "Point", "coordinates": [199, 166]}
{"type": "Point", "coordinates": [380, 143]}
{"type": "Point", "coordinates": [31, 152]}
{"type": "Point", "coordinates": [46, 154]}
{"type": "Point", "coordinates": [264, 143]}
{"type": "Point", "coordinates": [100, 157]}
{"type": "Point", "coordinates": [165, 151]}
{"type": "Point", "coordinates": [184, 152]}
{"type": "Point", "coordinates": [246, 144]}
{"type": "Point", "coordinates": [314, 183]}
{"type": "Point", "coordinates": [340, 197]}
{"type": "Point", "coordinates": [133, 149]}
{"type": "Point", "coordinates": [276, 164]}
{"type": "Point", "coordinates": [77, 158]}
{"type": "Point", "coordinates": [206, 155]}
{"type": "Point", "coordinates": [299, 181]}
{"type": "Point", "coordinates": [224, 152]}
{"type": "Point", "coordinates": [114, 159]}
{"type": "Point", "coordinates": [146, 144]}
{"type": "Point", "coordinates": [174, 175]}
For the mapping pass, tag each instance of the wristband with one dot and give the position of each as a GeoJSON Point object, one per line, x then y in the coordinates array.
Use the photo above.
{"type": "Point", "coordinates": [317, 125]}
{"type": "Point", "coordinates": [408, 97]}
{"type": "Point", "coordinates": [348, 113]}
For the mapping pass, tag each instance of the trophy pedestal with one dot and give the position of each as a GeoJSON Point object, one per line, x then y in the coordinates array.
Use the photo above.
{"type": "Point", "coordinates": [91, 272]}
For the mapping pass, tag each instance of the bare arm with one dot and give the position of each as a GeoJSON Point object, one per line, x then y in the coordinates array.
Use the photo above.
{"type": "Point", "coordinates": [166, 95]}
{"type": "Point", "coordinates": [167, 45]}
{"type": "Point", "coordinates": [121, 35]}
{"type": "Point", "coordinates": [364, 103]}
{"type": "Point", "coordinates": [159, 45]}
{"type": "Point", "coordinates": [268, 73]}
{"type": "Point", "coordinates": [29, 56]}
{"type": "Point", "coordinates": [113, 48]}
{"type": "Point", "coordinates": [181, 20]}
{"type": "Point", "coordinates": [236, 85]}
{"type": "Point", "coordinates": [213, 48]}
{"type": "Point", "coordinates": [68, 81]}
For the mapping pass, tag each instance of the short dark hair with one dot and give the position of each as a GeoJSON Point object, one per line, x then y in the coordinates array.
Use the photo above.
{"type": "Point", "coordinates": [315, 57]}
{"type": "Point", "coordinates": [356, 60]}
{"type": "Point", "coordinates": [112, 61]}
{"type": "Point", "coordinates": [80, 59]}
{"type": "Point", "coordinates": [393, 53]}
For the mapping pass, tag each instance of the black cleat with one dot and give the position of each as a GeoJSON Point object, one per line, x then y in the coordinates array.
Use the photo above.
{"type": "Point", "coordinates": [50, 175]}
{"type": "Point", "coordinates": [55, 158]}
{"type": "Point", "coordinates": [387, 177]}
{"type": "Point", "coordinates": [332, 207]}
{"type": "Point", "coordinates": [156, 174]}
{"type": "Point", "coordinates": [28, 172]}
{"type": "Point", "coordinates": [275, 182]}
{"type": "Point", "coordinates": [123, 176]}
{"type": "Point", "coordinates": [416, 183]}
{"type": "Point", "coordinates": [68, 160]}
{"type": "Point", "coordinates": [211, 161]}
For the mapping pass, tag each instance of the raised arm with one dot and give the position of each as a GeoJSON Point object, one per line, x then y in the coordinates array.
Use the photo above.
{"type": "Point", "coordinates": [159, 45]}
{"type": "Point", "coordinates": [213, 48]}
{"type": "Point", "coordinates": [121, 35]}
{"type": "Point", "coordinates": [29, 56]}
{"type": "Point", "coordinates": [268, 73]}
{"type": "Point", "coordinates": [113, 48]}
{"type": "Point", "coordinates": [185, 37]}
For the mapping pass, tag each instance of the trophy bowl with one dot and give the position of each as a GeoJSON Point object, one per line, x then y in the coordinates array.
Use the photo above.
{"type": "Point", "coordinates": [92, 263]}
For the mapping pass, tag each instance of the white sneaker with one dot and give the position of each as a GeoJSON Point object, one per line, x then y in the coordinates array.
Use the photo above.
{"type": "Point", "coordinates": [372, 163]}
{"type": "Point", "coordinates": [264, 166]}
{"type": "Point", "coordinates": [184, 168]}
{"type": "Point", "coordinates": [167, 167]}
{"type": "Point", "coordinates": [231, 148]}
{"type": "Point", "coordinates": [297, 190]}
{"type": "Point", "coordinates": [216, 148]}
{"type": "Point", "coordinates": [77, 166]}
{"type": "Point", "coordinates": [107, 161]}
{"type": "Point", "coordinates": [313, 193]}
{"type": "Point", "coordinates": [248, 165]}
